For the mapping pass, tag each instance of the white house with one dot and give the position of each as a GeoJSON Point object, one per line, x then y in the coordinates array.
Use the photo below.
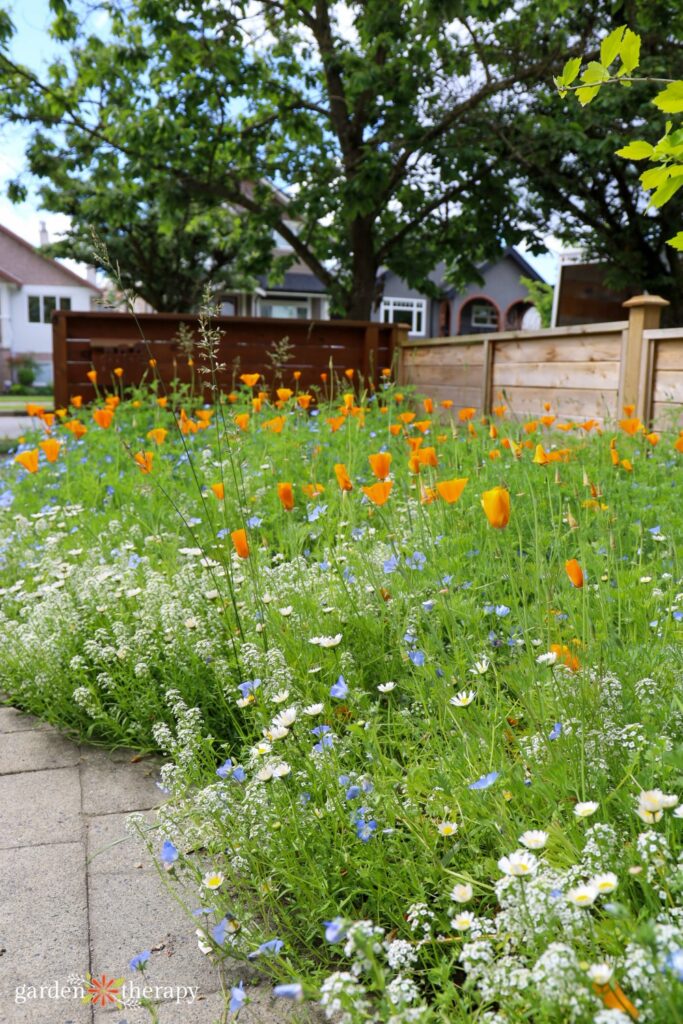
{"type": "Point", "coordinates": [31, 287]}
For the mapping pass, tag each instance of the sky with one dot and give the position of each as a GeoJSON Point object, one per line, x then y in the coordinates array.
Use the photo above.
{"type": "Point", "coordinates": [33, 46]}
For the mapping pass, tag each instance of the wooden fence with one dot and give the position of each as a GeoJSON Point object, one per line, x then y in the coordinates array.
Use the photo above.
{"type": "Point", "coordinates": [588, 371]}
{"type": "Point", "coordinates": [104, 341]}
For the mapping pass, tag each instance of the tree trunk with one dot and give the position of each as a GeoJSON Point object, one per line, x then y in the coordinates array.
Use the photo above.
{"type": "Point", "coordinates": [363, 292]}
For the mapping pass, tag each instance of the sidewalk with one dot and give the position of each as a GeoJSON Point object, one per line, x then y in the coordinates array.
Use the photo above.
{"type": "Point", "coordinates": [72, 903]}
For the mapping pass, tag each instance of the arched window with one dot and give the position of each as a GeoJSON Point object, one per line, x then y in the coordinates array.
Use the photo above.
{"type": "Point", "coordinates": [479, 315]}
{"type": "Point", "coordinates": [518, 316]}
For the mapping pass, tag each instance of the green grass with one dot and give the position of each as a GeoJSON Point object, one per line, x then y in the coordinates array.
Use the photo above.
{"type": "Point", "coordinates": [129, 618]}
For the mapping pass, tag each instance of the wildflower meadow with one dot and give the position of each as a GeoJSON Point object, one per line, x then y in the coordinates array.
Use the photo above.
{"type": "Point", "coordinates": [414, 672]}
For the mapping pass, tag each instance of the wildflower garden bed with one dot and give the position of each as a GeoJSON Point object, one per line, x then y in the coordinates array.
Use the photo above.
{"type": "Point", "coordinates": [416, 674]}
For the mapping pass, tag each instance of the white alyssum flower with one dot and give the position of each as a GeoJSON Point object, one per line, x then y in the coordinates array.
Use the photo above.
{"type": "Point", "coordinates": [520, 864]}
{"type": "Point", "coordinates": [534, 839]}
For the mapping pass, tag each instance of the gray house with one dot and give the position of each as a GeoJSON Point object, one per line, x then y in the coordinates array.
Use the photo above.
{"type": "Point", "coordinates": [499, 304]}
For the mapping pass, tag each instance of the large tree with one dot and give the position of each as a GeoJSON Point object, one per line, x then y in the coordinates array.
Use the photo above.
{"type": "Point", "coordinates": [371, 117]}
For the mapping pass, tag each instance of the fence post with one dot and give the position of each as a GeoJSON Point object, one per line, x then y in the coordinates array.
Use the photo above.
{"type": "Point", "coordinates": [370, 370]}
{"type": "Point", "coordinates": [644, 314]}
{"type": "Point", "coordinates": [59, 375]}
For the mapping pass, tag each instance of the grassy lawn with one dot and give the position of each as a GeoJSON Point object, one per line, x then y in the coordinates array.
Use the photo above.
{"type": "Point", "coordinates": [17, 403]}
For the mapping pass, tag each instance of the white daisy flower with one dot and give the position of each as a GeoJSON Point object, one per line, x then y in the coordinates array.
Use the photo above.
{"type": "Point", "coordinates": [386, 687]}
{"type": "Point", "coordinates": [447, 828]}
{"type": "Point", "coordinates": [462, 699]}
{"type": "Point", "coordinates": [461, 893]}
{"type": "Point", "coordinates": [326, 641]}
{"type": "Point", "coordinates": [600, 974]}
{"type": "Point", "coordinates": [549, 658]}
{"type": "Point", "coordinates": [213, 880]}
{"type": "Point", "coordinates": [285, 718]}
{"type": "Point", "coordinates": [314, 709]}
{"type": "Point", "coordinates": [583, 895]}
{"type": "Point", "coordinates": [480, 667]}
{"type": "Point", "coordinates": [606, 882]}
{"type": "Point", "coordinates": [534, 839]}
{"type": "Point", "coordinates": [586, 808]}
{"type": "Point", "coordinates": [462, 922]}
{"type": "Point", "coordinates": [280, 697]}
{"type": "Point", "coordinates": [519, 864]}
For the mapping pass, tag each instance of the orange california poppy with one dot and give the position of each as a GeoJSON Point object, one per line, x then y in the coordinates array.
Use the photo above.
{"type": "Point", "coordinates": [103, 418]}
{"type": "Point", "coordinates": [275, 425]}
{"type": "Point", "coordinates": [335, 423]}
{"type": "Point", "coordinates": [284, 394]}
{"type": "Point", "coordinates": [614, 998]}
{"type": "Point", "coordinates": [218, 490]}
{"type": "Point", "coordinates": [575, 572]}
{"type": "Point", "coordinates": [588, 425]}
{"type": "Point", "coordinates": [629, 410]}
{"type": "Point", "coordinates": [632, 425]}
{"type": "Point", "coordinates": [323, 377]}
{"type": "Point", "coordinates": [450, 490]}
{"type": "Point", "coordinates": [386, 371]}
{"type": "Point", "coordinates": [349, 401]}
{"type": "Point", "coordinates": [496, 505]}
{"type": "Point", "coordinates": [428, 405]}
{"type": "Point", "coordinates": [297, 375]}
{"type": "Point", "coordinates": [34, 410]}
{"type": "Point", "coordinates": [303, 401]}
{"type": "Point", "coordinates": [48, 419]}
{"type": "Point", "coordinates": [76, 401]}
{"type": "Point", "coordinates": [29, 460]}
{"type": "Point", "coordinates": [286, 496]}
{"type": "Point", "coordinates": [565, 656]}
{"type": "Point", "coordinates": [428, 495]}
{"type": "Point", "coordinates": [250, 379]}
{"type": "Point", "coordinates": [627, 465]}
{"type": "Point", "coordinates": [531, 426]}
{"type": "Point", "coordinates": [466, 414]}
{"type": "Point", "coordinates": [349, 374]}
{"type": "Point", "coordinates": [678, 444]}
{"type": "Point", "coordinates": [342, 476]}
{"type": "Point", "coordinates": [77, 428]}
{"type": "Point", "coordinates": [380, 464]}
{"type": "Point", "coordinates": [379, 492]}
{"type": "Point", "coordinates": [112, 401]}
{"type": "Point", "coordinates": [256, 404]}
{"type": "Point", "coordinates": [446, 403]}
{"type": "Point", "coordinates": [92, 376]}
{"type": "Point", "coordinates": [394, 429]}
{"type": "Point", "coordinates": [157, 434]}
{"type": "Point", "coordinates": [406, 417]}
{"type": "Point", "coordinates": [239, 542]}
{"type": "Point", "coordinates": [204, 414]}
{"type": "Point", "coordinates": [414, 443]}
{"type": "Point", "coordinates": [232, 397]}
{"type": "Point", "coordinates": [548, 421]}
{"type": "Point", "coordinates": [136, 404]}
{"type": "Point", "coordinates": [144, 461]}
{"type": "Point", "coordinates": [547, 406]}
{"type": "Point", "coordinates": [422, 425]}
{"type": "Point", "coordinates": [398, 398]}
{"type": "Point", "coordinates": [565, 426]}
{"type": "Point", "coordinates": [653, 438]}
{"type": "Point", "coordinates": [541, 458]}
{"type": "Point", "coordinates": [118, 371]}
{"type": "Point", "coordinates": [162, 402]}
{"type": "Point", "coordinates": [152, 364]}
{"type": "Point", "coordinates": [62, 413]}
{"type": "Point", "coordinates": [516, 449]}
{"type": "Point", "coordinates": [493, 431]}
{"type": "Point", "coordinates": [499, 410]}
{"type": "Point", "coordinates": [242, 420]}
{"type": "Point", "coordinates": [495, 452]}
{"type": "Point", "coordinates": [427, 457]}
{"type": "Point", "coordinates": [312, 490]}
{"type": "Point", "coordinates": [51, 449]}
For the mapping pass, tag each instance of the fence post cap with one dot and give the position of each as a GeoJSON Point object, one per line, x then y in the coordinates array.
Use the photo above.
{"type": "Point", "coordinates": [645, 300]}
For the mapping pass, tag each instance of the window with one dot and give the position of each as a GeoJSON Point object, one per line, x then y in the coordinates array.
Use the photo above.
{"type": "Point", "coordinates": [41, 307]}
{"type": "Point", "coordinates": [412, 312]}
{"type": "Point", "coordinates": [484, 315]}
{"type": "Point", "coordinates": [285, 308]}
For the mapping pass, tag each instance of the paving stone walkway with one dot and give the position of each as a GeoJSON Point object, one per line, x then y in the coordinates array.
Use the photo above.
{"type": "Point", "coordinates": [74, 900]}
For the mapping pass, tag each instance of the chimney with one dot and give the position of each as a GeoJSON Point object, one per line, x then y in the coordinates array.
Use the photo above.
{"type": "Point", "coordinates": [92, 275]}
{"type": "Point", "coordinates": [44, 237]}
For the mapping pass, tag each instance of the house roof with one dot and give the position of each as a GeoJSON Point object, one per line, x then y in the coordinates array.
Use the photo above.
{"type": "Point", "coordinates": [6, 276]}
{"type": "Point", "coordinates": [22, 266]}
{"type": "Point", "coordinates": [295, 282]}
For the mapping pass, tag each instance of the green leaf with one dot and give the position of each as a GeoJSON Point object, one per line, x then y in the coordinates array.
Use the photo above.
{"type": "Point", "coordinates": [630, 53]}
{"type": "Point", "coordinates": [571, 70]}
{"type": "Point", "coordinates": [611, 45]}
{"type": "Point", "coordinates": [670, 100]}
{"type": "Point", "coordinates": [594, 72]}
{"type": "Point", "coordinates": [666, 192]}
{"type": "Point", "coordinates": [654, 177]}
{"type": "Point", "coordinates": [587, 93]}
{"type": "Point", "coordinates": [636, 150]}
{"type": "Point", "coordinates": [560, 86]}
{"type": "Point", "coordinates": [677, 241]}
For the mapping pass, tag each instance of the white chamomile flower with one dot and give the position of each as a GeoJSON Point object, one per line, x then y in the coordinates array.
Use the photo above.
{"type": "Point", "coordinates": [314, 709]}
{"type": "Point", "coordinates": [265, 774]}
{"type": "Point", "coordinates": [326, 641]}
{"type": "Point", "coordinates": [280, 697]}
{"type": "Point", "coordinates": [463, 922]}
{"type": "Point", "coordinates": [285, 718]}
{"type": "Point", "coordinates": [461, 893]}
{"type": "Point", "coordinates": [607, 882]}
{"type": "Point", "coordinates": [213, 880]}
{"type": "Point", "coordinates": [645, 579]}
{"type": "Point", "coordinates": [534, 839]}
{"type": "Point", "coordinates": [549, 658]}
{"type": "Point", "coordinates": [519, 864]}
{"type": "Point", "coordinates": [386, 687]}
{"type": "Point", "coordinates": [286, 611]}
{"type": "Point", "coordinates": [600, 974]}
{"type": "Point", "coordinates": [585, 808]}
{"type": "Point", "coordinates": [481, 666]}
{"type": "Point", "coordinates": [281, 769]}
{"type": "Point", "coordinates": [678, 813]}
{"type": "Point", "coordinates": [276, 733]}
{"type": "Point", "coordinates": [583, 895]}
{"type": "Point", "coordinates": [447, 828]}
{"type": "Point", "coordinates": [244, 702]}
{"type": "Point", "coordinates": [261, 749]}
{"type": "Point", "coordinates": [462, 699]}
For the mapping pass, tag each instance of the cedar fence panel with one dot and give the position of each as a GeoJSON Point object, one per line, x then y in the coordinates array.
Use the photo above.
{"type": "Point", "coordinates": [662, 377]}
{"type": "Point", "coordinates": [84, 341]}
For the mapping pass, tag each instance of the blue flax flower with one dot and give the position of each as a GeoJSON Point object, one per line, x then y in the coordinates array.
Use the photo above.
{"type": "Point", "coordinates": [485, 781]}
{"type": "Point", "coordinates": [339, 689]}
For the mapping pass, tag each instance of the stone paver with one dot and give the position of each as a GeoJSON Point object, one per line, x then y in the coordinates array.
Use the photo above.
{"type": "Point", "coordinates": [78, 894]}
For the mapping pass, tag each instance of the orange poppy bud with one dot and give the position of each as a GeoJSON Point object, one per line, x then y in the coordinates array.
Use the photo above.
{"type": "Point", "coordinates": [450, 490]}
{"type": "Point", "coordinates": [190, 361]}
{"type": "Point", "coordinates": [118, 371]}
{"type": "Point", "coordinates": [546, 406]}
{"type": "Point", "coordinates": [297, 375]}
{"type": "Point", "coordinates": [380, 464]}
{"type": "Point", "coordinates": [499, 410]}
{"type": "Point", "coordinates": [614, 998]}
{"type": "Point", "coordinates": [284, 394]}
{"type": "Point", "coordinates": [349, 374]}
{"type": "Point", "coordinates": [447, 403]}
{"type": "Point", "coordinates": [386, 372]}
{"type": "Point", "coordinates": [250, 379]}
{"type": "Point", "coordinates": [29, 460]}
{"type": "Point", "coordinates": [615, 456]}
{"type": "Point", "coordinates": [242, 420]}
{"type": "Point", "coordinates": [678, 444]}
{"type": "Point", "coordinates": [349, 401]}
{"type": "Point", "coordinates": [157, 434]}
{"type": "Point", "coordinates": [51, 449]}
{"type": "Point", "coordinates": [112, 401]}
{"type": "Point", "coordinates": [256, 404]}
{"type": "Point", "coordinates": [379, 492]}
{"type": "Point", "coordinates": [471, 429]}
{"type": "Point", "coordinates": [495, 452]}
{"type": "Point", "coordinates": [92, 376]}
{"type": "Point", "coordinates": [466, 414]}
{"type": "Point", "coordinates": [286, 496]}
{"type": "Point", "coordinates": [629, 410]}
{"type": "Point", "coordinates": [428, 406]}
{"type": "Point", "coordinates": [303, 401]}
{"type": "Point", "coordinates": [428, 495]}
{"type": "Point", "coordinates": [232, 397]}
{"type": "Point", "coordinates": [398, 398]}
{"type": "Point", "coordinates": [219, 491]}
{"type": "Point", "coordinates": [342, 477]}
{"type": "Point", "coordinates": [496, 505]}
{"type": "Point", "coordinates": [627, 465]}
{"type": "Point", "coordinates": [384, 408]}
{"type": "Point", "coordinates": [575, 572]}
{"type": "Point", "coordinates": [103, 418]}
{"type": "Point", "coordinates": [493, 431]}
{"type": "Point", "coordinates": [144, 461]}
{"type": "Point", "coordinates": [323, 377]}
{"type": "Point", "coordinates": [162, 402]}
{"type": "Point", "coordinates": [76, 401]}
{"type": "Point", "coordinates": [239, 542]}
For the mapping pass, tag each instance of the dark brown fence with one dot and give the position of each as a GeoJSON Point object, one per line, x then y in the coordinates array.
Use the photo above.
{"type": "Point", "coordinates": [104, 341]}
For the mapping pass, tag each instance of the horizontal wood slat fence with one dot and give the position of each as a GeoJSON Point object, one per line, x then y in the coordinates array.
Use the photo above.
{"type": "Point", "coordinates": [102, 341]}
{"type": "Point", "coordinates": [588, 371]}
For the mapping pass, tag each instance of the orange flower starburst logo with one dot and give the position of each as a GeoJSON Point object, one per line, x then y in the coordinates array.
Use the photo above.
{"type": "Point", "coordinates": [103, 991]}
